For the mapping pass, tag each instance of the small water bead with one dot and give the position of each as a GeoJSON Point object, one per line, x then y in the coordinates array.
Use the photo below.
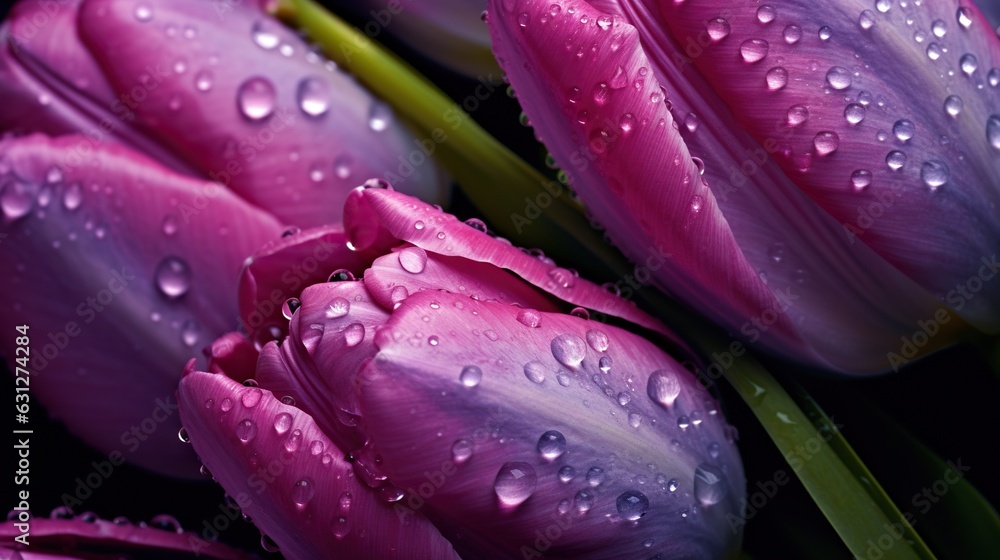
{"type": "Point", "coordinates": [143, 13]}
{"type": "Point", "coordinates": [562, 277]}
{"type": "Point", "coordinates": [883, 5]}
{"type": "Point", "coordinates": [634, 420]}
{"type": "Point", "coordinates": [566, 474]}
{"type": "Point", "coordinates": [529, 318]}
{"type": "Point", "coordinates": [632, 505]}
{"type": "Point", "coordinates": [515, 483]}
{"type": "Point", "coordinates": [246, 430]}
{"type": "Point", "coordinates": [470, 376]}
{"type": "Point", "coordinates": [953, 105]}
{"type": "Point", "coordinates": [825, 33]}
{"type": "Point", "coordinates": [264, 34]}
{"type": "Point", "coordinates": [551, 445]}
{"type": "Point", "coordinates": [904, 129]}
{"type": "Point", "coordinates": [765, 14]}
{"type": "Point", "coordinates": [604, 364]}
{"type": "Point", "coordinates": [182, 435]}
{"type": "Point", "coordinates": [994, 77]}
{"type": "Point", "coordinates": [838, 77]}
{"type": "Point", "coordinates": [934, 173]}
{"type": "Point", "coordinates": [895, 160]}
{"type": "Point", "coordinates": [854, 113]}
{"type": "Point", "coordinates": [993, 131]}
{"type": "Point", "coordinates": [173, 277]}
{"type": "Point", "coordinates": [968, 63]}
{"type": "Point", "coordinates": [313, 96]}
{"type": "Point", "coordinates": [964, 17]}
{"type": "Point", "coordinates": [303, 491]}
{"type": "Point", "coordinates": [691, 122]}
{"type": "Point", "coordinates": [860, 179]}
{"type": "Point", "coordinates": [663, 387]}
{"type": "Point", "coordinates": [256, 98]}
{"type": "Point", "coordinates": [17, 199]}
{"type": "Point", "coordinates": [282, 423]}
{"type": "Point", "coordinates": [341, 275]}
{"type": "Point", "coordinates": [534, 371]}
{"type": "Point", "coordinates": [523, 19]}
{"type": "Point", "coordinates": [792, 34]}
{"type": "Point", "coordinates": [826, 142]}
{"type": "Point", "coordinates": [797, 114]}
{"type": "Point", "coordinates": [718, 29]}
{"type": "Point", "coordinates": [342, 167]}
{"type": "Point", "coordinates": [626, 122]}
{"type": "Point", "coordinates": [583, 501]}
{"type": "Point", "coordinates": [413, 259]}
{"type": "Point", "coordinates": [598, 340]}
{"type": "Point", "coordinates": [754, 50]}
{"type": "Point", "coordinates": [581, 313]}
{"type": "Point", "coordinates": [866, 20]}
{"type": "Point", "coordinates": [379, 116]}
{"type": "Point", "coordinates": [72, 197]}
{"type": "Point", "coordinates": [709, 484]}
{"type": "Point", "coordinates": [714, 450]}
{"type": "Point", "coordinates": [293, 441]}
{"type": "Point", "coordinates": [673, 485]}
{"type": "Point", "coordinates": [776, 78]}
{"type": "Point", "coordinates": [624, 398]}
{"type": "Point", "coordinates": [881, 135]}
{"type": "Point", "coordinates": [939, 28]}
{"type": "Point", "coordinates": [461, 451]}
{"type": "Point", "coordinates": [354, 334]}
{"type": "Point", "coordinates": [934, 51]}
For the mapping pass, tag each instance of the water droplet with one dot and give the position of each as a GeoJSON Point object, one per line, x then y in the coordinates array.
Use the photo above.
{"type": "Point", "coordinates": [143, 13]}
{"type": "Point", "coordinates": [753, 50]}
{"type": "Point", "coordinates": [583, 501]}
{"type": "Point", "coordinates": [632, 505]}
{"type": "Point", "coordinates": [634, 420]}
{"type": "Point", "coordinates": [709, 484]}
{"type": "Point", "coordinates": [173, 277]}
{"type": "Point", "coordinates": [627, 122]}
{"type": "Point", "coordinates": [604, 22]}
{"type": "Point", "coordinates": [246, 430]}
{"type": "Point", "coordinates": [470, 376]}
{"type": "Point", "coordinates": [904, 129]}
{"type": "Point", "coordinates": [964, 17]}
{"type": "Point", "coordinates": [792, 34]}
{"type": "Point", "coordinates": [604, 364]}
{"type": "Point", "coordinates": [883, 5]}
{"type": "Point", "coordinates": [866, 20]}
{"type": "Point", "coordinates": [569, 350]}
{"type": "Point", "coordinates": [256, 98]}
{"type": "Point", "coordinates": [354, 334]}
{"type": "Point", "coordinates": [860, 179]}
{"type": "Point", "coordinates": [461, 451]}
{"type": "Point", "coordinates": [251, 397]}
{"type": "Point", "coordinates": [934, 173]}
{"type": "Point", "coordinates": [189, 333]}
{"type": "Point", "coordinates": [597, 340]}
{"type": "Point", "coordinates": [855, 113]}
{"type": "Point", "coordinates": [338, 307]}
{"type": "Point", "coordinates": [595, 476]}
{"type": "Point", "coordinates": [673, 485]}
{"type": "Point", "coordinates": [534, 371]}
{"type": "Point", "coordinates": [797, 114]}
{"type": "Point", "coordinates": [313, 96]}
{"type": "Point", "coordinates": [566, 474]}
{"type": "Point", "coordinates": [953, 105]}
{"type": "Point", "coordinates": [379, 116]}
{"type": "Point", "coordinates": [413, 259]}
{"type": "Point", "coordinates": [72, 197]}
{"type": "Point", "coordinates": [934, 51]}
{"type": "Point", "coordinates": [16, 198]}
{"type": "Point", "coordinates": [825, 33]}
{"type": "Point", "coordinates": [514, 483]}
{"type": "Point", "coordinates": [182, 435]}
{"type": "Point", "coordinates": [826, 142]}
{"type": "Point", "coordinates": [282, 423]}
{"type": "Point", "coordinates": [718, 29]}
{"type": "Point", "coordinates": [939, 28]}
{"type": "Point", "coordinates": [838, 77]}
{"type": "Point", "coordinates": [303, 491]}
{"type": "Point", "coordinates": [994, 77]}
{"type": "Point", "coordinates": [264, 35]}
{"type": "Point", "coordinates": [691, 122]}
{"type": "Point", "coordinates": [293, 441]}
{"type": "Point", "coordinates": [968, 63]}
{"type": "Point", "coordinates": [993, 131]}
{"type": "Point", "coordinates": [523, 19]}
{"type": "Point", "coordinates": [551, 445]}
{"type": "Point", "coordinates": [683, 422]}
{"type": "Point", "coordinates": [765, 14]}
{"type": "Point", "coordinates": [895, 160]}
{"type": "Point", "coordinates": [529, 318]}
{"type": "Point", "coordinates": [776, 78]}
{"type": "Point", "coordinates": [663, 387]}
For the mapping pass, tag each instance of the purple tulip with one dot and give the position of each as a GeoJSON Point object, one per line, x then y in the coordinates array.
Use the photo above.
{"type": "Point", "coordinates": [825, 176]}
{"type": "Point", "coordinates": [444, 404]}
{"type": "Point", "coordinates": [123, 243]}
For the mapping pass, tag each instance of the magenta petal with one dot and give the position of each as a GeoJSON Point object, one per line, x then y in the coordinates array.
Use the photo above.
{"type": "Point", "coordinates": [882, 117]}
{"type": "Point", "coordinates": [284, 267]}
{"type": "Point", "coordinates": [309, 502]}
{"type": "Point", "coordinates": [391, 278]}
{"type": "Point", "coordinates": [233, 356]}
{"type": "Point", "coordinates": [119, 289]}
{"type": "Point", "coordinates": [246, 101]}
{"type": "Point", "coordinates": [67, 538]}
{"type": "Point", "coordinates": [433, 230]}
{"type": "Point", "coordinates": [552, 425]}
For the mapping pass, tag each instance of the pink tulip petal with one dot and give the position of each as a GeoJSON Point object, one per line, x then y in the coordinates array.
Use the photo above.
{"type": "Point", "coordinates": [330, 337]}
{"type": "Point", "coordinates": [67, 538]}
{"type": "Point", "coordinates": [393, 277]}
{"type": "Point", "coordinates": [109, 268]}
{"type": "Point", "coordinates": [898, 106]}
{"type": "Point", "coordinates": [284, 267]}
{"type": "Point", "coordinates": [292, 480]}
{"type": "Point", "coordinates": [448, 417]}
{"type": "Point", "coordinates": [755, 257]}
{"type": "Point", "coordinates": [245, 101]}
{"type": "Point", "coordinates": [51, 84]}
{"type": "Point", "coordinates": [233, 355]}
{"type": "Point", "coordinates": [401, 215]}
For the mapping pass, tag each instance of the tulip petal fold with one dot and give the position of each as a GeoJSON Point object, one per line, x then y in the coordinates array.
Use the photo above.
{"type": "Point", "coordinates": [508, 427]}
{"type": "Point", "coordinates": [110, 271]}
{"type": "Point", "coordinates": [292, 480]}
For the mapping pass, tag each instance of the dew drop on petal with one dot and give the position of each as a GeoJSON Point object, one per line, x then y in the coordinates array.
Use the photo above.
{"type": "Point", "coordinates": [598, 340]}
{"type": "Point", "coordinates": [797, 114]}
{"type": "Point", "coordinates": [993, 131]}
{"type": "Point", "coordinates": [860, 179]}
{"type": "Point", "coordinates": [313, 96]}
{"type": "Point", "coordinates": [246, 430]}
{"type": "Point", "coordinates": [709, 484]}
{"type": "Point", "coordinates": [854, 113]}
{"type": "Point", "coordinates": [895, 160]}
{"type": "Point", "coordinates": [765, 13]}
{"type": "Point", "coordinates": [173, 277]}
{"type": "Point", "coordinates": [569, 350]}
{"type": "Point", "coordinates": [754, 50]}
{"type": "Point", "coordinates": [470, 376]}
{"type": "Point", "coordinates": [632, 505]}
{"type": "Point", "coordinates": [354, 334]}
{"type": "Point", "coordinates": [264, 34]}
{"type": "Point", "coordinates": [413, 259]}
{"type": "Point", "coordinates": [792, 34]}
{"type": "Point", "coordinates": [718, 29]}
{"type": "Point", "coordinates": [515, 483]}
{"type": "Point", "coordinates": [826, 142]}
{"type": "Point", "coordinates": [776, 78]}
{"type": "Point", "coordinates": [953, 105]}
{"type": "Point", "coordinates": [934, 173]}
{"type": "Point", "coordinates": [256, 98]}
{"type": "Point", "coordinates": [838, 77]}
{"type": "Point", "coordinates": [968, 63]}
{"type": "Point", "coordinates": [663, 387]}
{"type": "Point", "coordinates": [825, 33]}
{"type": "Point", "coordinates": [551, 445]}
{"type": "Point", "coordinates": [903, 129]}
{"type": "Point", "coordinates": [337, 308]}
{"type": "Point", "coordinates": [461, 451]}
{"type": "Point", "coordinates": [529, 318]}
{"type": "Point", "coordinates": [866, 20]}
{"type": "Point", "coordinates": [282, 423]}
{"type": "Point", "coordinates": [303, 491]}
{"type": "Point", "coordinates": [534, 371]}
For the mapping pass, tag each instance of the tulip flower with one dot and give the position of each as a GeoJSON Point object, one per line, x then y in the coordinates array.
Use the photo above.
{"type": "Point", "coordinates": [157, 146]}
{"type": "Point", "coordinates": [444, 405]}
{"type": "Point", "coordinates": [825, 177]}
